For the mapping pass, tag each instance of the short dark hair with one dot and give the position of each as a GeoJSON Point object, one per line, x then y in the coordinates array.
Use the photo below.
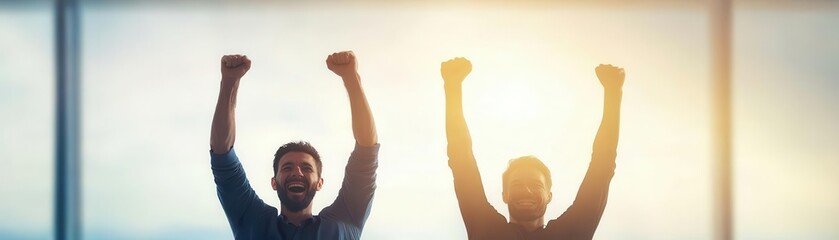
{"type": "Point", "coordinates": [526, 162]}
{"type": "Point", "coordinates": [299, 146]}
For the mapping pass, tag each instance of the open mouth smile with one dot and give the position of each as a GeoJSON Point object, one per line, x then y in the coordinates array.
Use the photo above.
{"type": "Point", "coordinates": [525, 204]}
{"type": "Point", "coordinates": [296, 187]}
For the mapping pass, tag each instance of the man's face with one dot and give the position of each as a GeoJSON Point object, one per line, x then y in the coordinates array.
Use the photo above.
{"type": "Point", "coordinates": [296, 180]}
{"type": "Point", "coordinates": [527, 194]}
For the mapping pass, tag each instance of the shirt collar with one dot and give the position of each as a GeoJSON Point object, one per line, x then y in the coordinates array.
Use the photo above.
{"type": "Point", "coordinates": [314, 219]}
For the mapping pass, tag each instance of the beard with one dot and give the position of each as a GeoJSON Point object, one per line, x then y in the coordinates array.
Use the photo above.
{"type": "Point", "coordinates": [295, 205]}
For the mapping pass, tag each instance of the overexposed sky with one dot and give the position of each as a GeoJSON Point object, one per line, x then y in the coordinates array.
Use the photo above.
{"type": "Point", "coordinates": [150, 76]}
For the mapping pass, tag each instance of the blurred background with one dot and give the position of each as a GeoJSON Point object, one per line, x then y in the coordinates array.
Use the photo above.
{"type": "Point", "coordinates": [150, 74]}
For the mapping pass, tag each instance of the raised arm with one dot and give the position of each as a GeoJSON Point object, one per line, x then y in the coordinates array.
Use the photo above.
{"type": "Point", "coordinates": [611, 77]}
{"type": "Point", "coordinates": [355, 198]}
{"type": "Point", "coordinates": [479, 217]}
{"type": "Point", "coordinates": [582, 218]}
{"type": "Point", "coordinates": [454, 72]}
{"type": "Point", "coordinates": [363, 127]}
{"type": "Point", "coordinates": [223, 132]}
{"type": "Point", "coordinates": [237, 197]}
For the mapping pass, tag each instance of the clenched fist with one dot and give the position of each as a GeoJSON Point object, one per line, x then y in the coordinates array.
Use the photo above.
{"type": "Point", "coordinates": [234, 66]}
{"type": "Point", "coordinates": [611, 77]}
{"type": "Point", "coordinates": [342, 63]}
{"type": "Point", "coordinates": [455, 70]}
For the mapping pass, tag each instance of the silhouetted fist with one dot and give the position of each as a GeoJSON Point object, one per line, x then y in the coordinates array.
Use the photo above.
{"type": "Point", "coordinates": [455, 70]}
{"type": "Point", "coordinates": [342, 63]}
{"type": "Point", "coordinates": [611, 77]}
{"type": "Point", "coordinates": [234, 66]}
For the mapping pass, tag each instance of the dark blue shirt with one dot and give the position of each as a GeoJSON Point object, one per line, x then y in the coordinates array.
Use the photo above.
{"type": "Point", "coordinates": [251, 218]}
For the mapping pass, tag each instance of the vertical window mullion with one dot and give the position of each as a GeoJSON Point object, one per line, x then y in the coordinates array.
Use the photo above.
{"type": "Point", "coordinates": [721, 123]}
{"type": "Point", "coordinates": [67, 187]}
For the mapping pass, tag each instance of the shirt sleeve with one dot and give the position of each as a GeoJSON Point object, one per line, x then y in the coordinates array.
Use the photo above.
{"type": "Point", "coordinates": [481, 219]}
{"type": "Point", "coordinates": [580, 220]}
{"type": "Point", "coordinates": [237, 197]}
{"type": "Point", "coordinates": [356, 195]}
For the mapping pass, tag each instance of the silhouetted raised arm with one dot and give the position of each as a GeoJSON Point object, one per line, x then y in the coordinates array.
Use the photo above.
{"type": "Point", "coordinates": [606, 141]}
{"type": "Point", "coordinates": [457, 133]}
{"type": "Point", "coordinates": [582, 218]}
{"type": "Point", "coordinates": [478, 215]}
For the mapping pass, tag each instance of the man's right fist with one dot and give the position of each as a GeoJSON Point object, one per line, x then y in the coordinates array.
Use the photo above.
{"type": "Point", "coordinates": [234, 66]}
{"type": "Point", "coordinates": [611, 77]}
{"type": "Point", "coordinates": [342, 64]}
{"type": "Point", "coordinates": [455, 70]}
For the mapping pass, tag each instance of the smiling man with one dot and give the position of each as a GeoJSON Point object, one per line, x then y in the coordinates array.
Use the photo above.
{"type": "Point", "coordinates": [527, 181]}
{"type": "Point", "coordinates": [297, 169]}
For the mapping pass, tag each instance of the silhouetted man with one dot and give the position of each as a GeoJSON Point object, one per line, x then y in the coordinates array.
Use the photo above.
{"type": "Point", "coordinates": [297, 169]}
{"type": "Point", "coordinates": [527, 181]}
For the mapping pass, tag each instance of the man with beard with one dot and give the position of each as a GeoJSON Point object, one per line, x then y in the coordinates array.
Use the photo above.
{"type": "Point", "coordinates": [527, 181]}
{"type": "Point", "coordinates": [297, 169]}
